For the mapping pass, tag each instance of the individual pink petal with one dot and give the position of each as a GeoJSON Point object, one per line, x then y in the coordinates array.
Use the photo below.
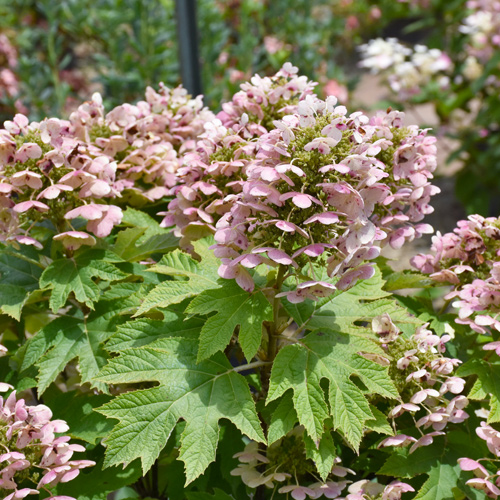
{"type": "Point", "coordinates": [323, 218]}
{"type": "Point", "coordinates": [89, 212]}
{"type": "Point", "coordinates": [24, 206]}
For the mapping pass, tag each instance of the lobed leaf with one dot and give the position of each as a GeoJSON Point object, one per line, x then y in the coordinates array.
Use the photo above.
{"type": "Point", "coordinates": [67, 338]}
{"type": "Point", "coordinates": [334, 357]}
{"type": "Point", "coordinates": [76, 275]}
{"type": "Point", "coordinates": [201, 394]}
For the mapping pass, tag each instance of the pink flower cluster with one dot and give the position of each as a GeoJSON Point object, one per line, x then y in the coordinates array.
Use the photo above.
{"type": "Point", "coordinates": [321, 186]}
{"type": "Point", "coordinates": [62, 170]}
{"type": "Point", "coordinates": [469, 259]}
{"type": "Point", "coordinates": [32, 458]}
{"type": "Point", "coordinates": [428, 375]}
{"type": "Point", "coordinates": [485, 480]}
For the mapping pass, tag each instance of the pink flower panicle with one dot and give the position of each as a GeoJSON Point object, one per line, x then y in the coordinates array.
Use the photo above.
{"type": "Point", "coordinates": [469, 259]}
{"type": "Point", "coordinates": [32, 457]}
{"type": "Point", "coordinates": [45, 172]}
{"type": "Point", "coordinates": [9, 83]}
{"type": "Point", "coordinates": [145, 140]}
{"type": "Point", "coordinates": [426, 376]}
{"type": "Point", "coordinates": [58, 170]}
{"type": "Point", "coordinates": [321, 187]}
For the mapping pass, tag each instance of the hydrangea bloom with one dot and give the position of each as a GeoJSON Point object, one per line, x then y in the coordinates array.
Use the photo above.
{"type": "Point", "coordinates": [33, 459]}
{"type": "Point", "coordinates": [9, 85]}
{"type": "Point", "coordinates": [145, 140]}
{"type": "Point", "coordinates": [45, 172]}
{"type": "Point", "coordinates": [469, 259]}
{"type": "Point", "coordinates": [425, 375]}
{"type": "Point", "coordinates": [59, 170]}
{"type": "Point", "coordinates": [320, 187]}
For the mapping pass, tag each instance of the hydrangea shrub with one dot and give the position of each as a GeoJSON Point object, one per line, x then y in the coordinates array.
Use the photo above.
{"type": "Point", "coordinates": [201, 297]}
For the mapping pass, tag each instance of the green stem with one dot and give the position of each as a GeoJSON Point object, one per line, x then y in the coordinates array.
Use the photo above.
{"type": "Point", "coordinates": [250, 366]}
{"type": "Point", "coordinates": [445, 306]}
{"type": "Point", "coordinates": [273, 330]}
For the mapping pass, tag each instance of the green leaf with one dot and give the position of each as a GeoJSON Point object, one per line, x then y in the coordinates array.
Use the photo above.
{"type": "Point", "coordinates": [19, 272]}
{"type": "Point", "coordinates": [143, 331]}
{"type": "Point", "coordinates": [67, 338]}
{"type": "Point", "coordinates": [487, 383]}
{"type": "Point", "coordinates": [138, 219]}
{"type": "Point", "coordinates": [195, 277]}
{"type": "Point", "coordinates": [234, 307]}
{"type": "Point", "coordinates": [379, 423]}
{"type": "Point", "coordinates": [130, 247]}
{"type": "Point", "coordinates": [201, 394]}
{"type": "Point", "coordinates": [407, 279]}
{"type": "Point", "coordinates": [76, 275]}
{"type": "Point", "coordinates": [443, 478]}
{"type": "Point", "coordinates": [334, 357]}
{"type": "Point", "coordinates": [324, 455]}
{"type": "Point", "coordinates": [283, 419]}
{"type": "Point", "coordinates": [12, 299]}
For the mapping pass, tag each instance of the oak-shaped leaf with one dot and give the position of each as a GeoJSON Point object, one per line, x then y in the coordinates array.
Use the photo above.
{"type": "Point", "coordinates": [334, 357]}
{"type": "Point", "coordinates": [78, 275]}
{"type": "Point", "coordinates": [67, 338]}
{"type": "Point", "coordinates": [201, 394]}
{"type": "Point", "coordinates": [234, 307]}
{"type": "Point", "coordinates": [130, 246]}
{"type": "Point", "coordinates": [190, 277]}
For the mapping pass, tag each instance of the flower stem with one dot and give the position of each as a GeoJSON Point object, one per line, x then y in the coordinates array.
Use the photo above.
{"type": "Point", "coordinates": [250, 366]}
{"type": "Point", "coordinates": [273, 330]}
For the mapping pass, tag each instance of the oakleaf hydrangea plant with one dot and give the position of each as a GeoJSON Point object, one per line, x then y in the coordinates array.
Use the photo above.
{"type": "Point", "coordinates": [202, 298]}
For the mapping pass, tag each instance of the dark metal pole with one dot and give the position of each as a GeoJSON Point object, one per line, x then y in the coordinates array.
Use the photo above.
{"type": "Point", "coordinates": [187, 35]}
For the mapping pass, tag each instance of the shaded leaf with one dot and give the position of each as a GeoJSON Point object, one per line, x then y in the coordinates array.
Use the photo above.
{"type": "Point", "coordinates": [12, 299]}
{"type": "Point", "coordinates": [192, 278]}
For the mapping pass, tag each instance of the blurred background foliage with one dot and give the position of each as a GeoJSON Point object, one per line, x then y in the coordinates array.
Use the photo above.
{"type": "Point", "coordinates": [68, 49]}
